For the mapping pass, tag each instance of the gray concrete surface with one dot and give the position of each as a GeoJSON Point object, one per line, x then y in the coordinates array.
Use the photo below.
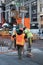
{"type": "Point", "coordinates": [13, 60]}
{"type": "Point", "coordinates": [11, 56]}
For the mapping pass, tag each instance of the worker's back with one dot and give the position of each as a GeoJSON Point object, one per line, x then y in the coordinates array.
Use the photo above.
{"type": "Point", "coordinates": [20, 38]}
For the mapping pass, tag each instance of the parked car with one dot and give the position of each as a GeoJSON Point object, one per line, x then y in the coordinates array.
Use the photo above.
{"type": "Point", "coordinates": [35, 34]}
{"type": "Point", "coordinates": [10, 31]}
{"type": "Point", "coordinates": [1, 29]}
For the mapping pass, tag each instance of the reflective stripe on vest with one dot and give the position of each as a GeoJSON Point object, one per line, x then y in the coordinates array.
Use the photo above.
{"type": "Point", "coordinates": [20, 39]}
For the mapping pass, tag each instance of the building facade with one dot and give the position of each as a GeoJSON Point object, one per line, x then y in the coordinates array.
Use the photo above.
{"type": "Point", "coordinates": [40, 14]}
{"type": "Point", "coordinates": [9, 6]}
{"type": "Point", "coordinates": [2, 12]}
{"type": "Point", "coordinates": [7, 10]}
{"type": "Point", "coordinates": [35, 12]}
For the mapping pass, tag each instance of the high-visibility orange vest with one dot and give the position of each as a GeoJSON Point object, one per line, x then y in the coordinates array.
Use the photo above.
{"type": "Point", "coordinates": [12, 39]}
{"type": "Point", "coordinates": [20, 39]}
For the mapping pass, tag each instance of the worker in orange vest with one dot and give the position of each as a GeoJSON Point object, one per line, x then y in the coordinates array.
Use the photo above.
{"type": "Point", "coordinates": [20, 42]}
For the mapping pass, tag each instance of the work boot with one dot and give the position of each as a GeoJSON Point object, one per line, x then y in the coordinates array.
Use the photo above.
{"type": "Point", "coordinates": [29, 55]}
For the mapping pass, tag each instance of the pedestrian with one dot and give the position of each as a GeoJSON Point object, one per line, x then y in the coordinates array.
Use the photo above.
{"type": "Point", "coordinates": [14, 33]}
{"type": "Point", "coordinates": [12, 42]}
{"type": "Point", "coordinates": [13, 38]}
{"type": "Point", "coordinates": [29, 37]}
{"type": "Point", "coordinates": [20, 42]}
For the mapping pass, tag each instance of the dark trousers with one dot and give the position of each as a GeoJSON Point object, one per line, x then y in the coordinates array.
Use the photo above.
{"type": "Point", "coordinates": [11, 45]}
{"type": "Point", "coordinates": [15, 43]}
{"type": "Point", "coordinates": [19, 48]}
{"type": "Point", "coordinates": [29, 45]}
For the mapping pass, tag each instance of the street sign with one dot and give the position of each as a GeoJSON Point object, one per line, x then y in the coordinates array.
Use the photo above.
{"type": "Point", "coordinates": [23, 9]}
{"type": "Point", "coordinates": [18, 4]}
{"type": "Point", "coordinates": [14, 14]}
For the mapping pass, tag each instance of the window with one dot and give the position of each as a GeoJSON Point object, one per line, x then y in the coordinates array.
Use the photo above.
{"type": "Point", "coordinates": [27, 8]}
{"type": "Point", "coordinates": [7, 16]}
{"type": "Point", "coordinates": [41, 21]}
{"type": "Point", "coordinates": [41, 26]}
{"type": "Point", "coordinates": [34, 26]}
{"type": "Point", "coordinates": [34, 11]}
{"type": "Point", "coordinates": [41, 7]}
{"type": "Point", "coordinates": [8, 1]}
{"type": "Point", "coordinates": [41, 18]}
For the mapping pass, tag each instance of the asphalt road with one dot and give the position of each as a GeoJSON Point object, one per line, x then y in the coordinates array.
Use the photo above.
{"type": "Point", "coordinates": [13, 60]}
{"type": "Point", "coordinates": [36, 59]}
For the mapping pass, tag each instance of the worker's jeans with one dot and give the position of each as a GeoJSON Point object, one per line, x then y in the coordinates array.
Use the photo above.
{"type": "Point", "coordinates": [29, 45]}
{"type": "Point", "coordinates": [15, 43]}
{"type": "Point", "coordinates": [19, 48]}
